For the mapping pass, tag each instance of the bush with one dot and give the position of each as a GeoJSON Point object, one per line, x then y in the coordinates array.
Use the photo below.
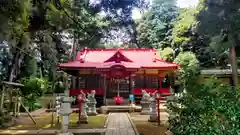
{"type": "Point", "coordinates": [204, 109]}
{"type": "Point", "coordinates": [189, 70]}
{"type": "Point", "coordinates": [33, 89]}
{"type": "Point", "coordinates": [212, 109]}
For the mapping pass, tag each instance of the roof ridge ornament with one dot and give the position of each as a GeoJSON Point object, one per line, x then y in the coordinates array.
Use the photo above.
{"type": "Point", "coordinates": [118, 57]}
{"type": "Point", "coordinates": [81, 60]}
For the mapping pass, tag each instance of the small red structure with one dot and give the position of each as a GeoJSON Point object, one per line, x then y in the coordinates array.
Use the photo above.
{"type": "Point", "coordinates": [116, 73]}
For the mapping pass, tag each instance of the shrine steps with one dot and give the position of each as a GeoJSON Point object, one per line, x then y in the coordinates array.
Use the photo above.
{"type": "Point", "coordinates": [110, 101]}
{"type": "Point", "coordinates": [126, 108]}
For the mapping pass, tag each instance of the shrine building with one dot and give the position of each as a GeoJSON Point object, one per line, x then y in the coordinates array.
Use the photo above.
{"type": "Point", "coordinates": [118, 72]}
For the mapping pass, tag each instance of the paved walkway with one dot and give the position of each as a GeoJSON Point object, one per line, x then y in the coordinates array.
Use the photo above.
{"type": "Point", "coordinates": [119, 124]}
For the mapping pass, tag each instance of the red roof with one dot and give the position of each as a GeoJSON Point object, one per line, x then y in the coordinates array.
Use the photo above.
{"type": "Point", "coordinates": [129, 58]}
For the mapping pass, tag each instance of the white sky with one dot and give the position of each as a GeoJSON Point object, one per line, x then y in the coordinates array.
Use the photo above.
{"type": "Point", "coordinates": [180, 3]}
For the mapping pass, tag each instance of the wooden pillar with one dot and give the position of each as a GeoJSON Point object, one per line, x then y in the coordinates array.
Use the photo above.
{"type": "Point", "coordinates": [159, 82]}
{"type": "Point", "coordinates": [104, 89]}
{"type": "Point", "coordinates": [18, 105]}
{"type": "Point", "coordinates": [130, 84]}
{"type": "Point", "coordinates": [15, 106]}
{"type": "Point", "coordinates": [73, 79]}
{"type": "Point", "coordinates": [144, 79]}
{"type": "Point", "coordinates": [77, 82]}
{"type": "Point", "coordinates": [2, 97]}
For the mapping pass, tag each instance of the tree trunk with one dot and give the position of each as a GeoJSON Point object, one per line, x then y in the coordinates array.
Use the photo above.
{"type": "Point", "coordinates": [234, 66]}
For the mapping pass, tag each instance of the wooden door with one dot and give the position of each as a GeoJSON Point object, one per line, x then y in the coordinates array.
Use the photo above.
{"type": "Point", "coordinates": [112, 88]}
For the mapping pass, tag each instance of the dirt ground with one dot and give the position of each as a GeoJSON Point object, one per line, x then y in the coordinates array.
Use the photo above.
{"type": "Point", "coordinates": [44, 122]}
{"type": "Point", "coordinates": [150, 128]}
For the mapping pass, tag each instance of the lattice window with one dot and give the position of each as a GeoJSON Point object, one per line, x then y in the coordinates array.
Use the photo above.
{"type": "Point", "coordinates": [151, 81]}
{"type": "Point", "coordinates": [80, 82]}
{"type": "Point", "coordinates": [138, 82]}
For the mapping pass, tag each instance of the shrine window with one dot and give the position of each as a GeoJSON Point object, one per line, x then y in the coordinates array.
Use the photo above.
{"type": "Point", "coordinates": [80, 82]}
{"type": "Point", "coordinates": [92, 81]}
{"type": "Point", "coordinates": [151, 81]}
{"type": "Point", "coordinates": [138, 82]}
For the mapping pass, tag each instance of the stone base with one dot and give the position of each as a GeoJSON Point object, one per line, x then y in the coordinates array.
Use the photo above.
{"type": "Point", "coordinates": [152, 118]}
{"type": "Point", "coordinates": [145, 107]}
{"type": "Point", "coordinates": [83, 120]}
{"type": "Point", "coordinates": [92, 113]}
{"type": "Point", "coordinates": [144, 112]}
{"type": "Point", "coordinates": [69, 133]}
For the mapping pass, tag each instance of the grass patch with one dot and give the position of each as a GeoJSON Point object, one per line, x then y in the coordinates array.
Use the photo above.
{"type": "Point", "coordinates": [44, 122]}
{"type": "Point", "coordinates": [93, 121]}
{"type": "Point", "coordinates": [150, 128]}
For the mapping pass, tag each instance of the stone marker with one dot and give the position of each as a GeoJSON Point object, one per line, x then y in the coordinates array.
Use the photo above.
{"type": "Point", "coordinates": [92, 111]}
{"type": "Point", "coordinates": [145, 103]}
{"type": "Point", "coordinates": [84, 116]}
{"type": "Point", "coordinates": [153, 112]}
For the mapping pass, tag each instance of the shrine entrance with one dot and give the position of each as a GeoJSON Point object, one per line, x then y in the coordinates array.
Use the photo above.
{"type": "Point", "coordinates": [118, 86]}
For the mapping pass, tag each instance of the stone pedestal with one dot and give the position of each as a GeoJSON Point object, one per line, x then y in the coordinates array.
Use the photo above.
{"type": "Point", "coordinates": [145, 107]}
{"type": "Point", "coordinates": [83, 119]}
{"type": "Point", "coordinates": [84, 116]}
{"type": "Point", "coordinates": [153, 112]}
{"type": "Point", "coordinates": [92, 111]}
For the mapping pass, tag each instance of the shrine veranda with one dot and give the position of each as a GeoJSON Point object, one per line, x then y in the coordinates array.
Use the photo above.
{"type": "Point", "coordinates": [118, 72]}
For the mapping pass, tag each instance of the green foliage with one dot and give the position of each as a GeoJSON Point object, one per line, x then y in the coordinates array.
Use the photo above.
{"type": "Point", "coordinates": [34, 88]}
{"type": "Point", "coordinates": [4, 61]}
{"type": "Point", "coordinates": [167, 54]}
{"type": "Point", "coordinates": [154, 28]}
{"type": "Point", "coordinates": [219, 21]}
{"type": "Point", "coordinates": [30, 67]}
{"type": "Point", "coordinates": [185, 37]}
{"type": "Point", "coordinates": [186, 20]}
{"type": "Point", "coordinates": [210, 108]}
{"type": "Point", "coordinates": [189, 65]}
{"type": "Point", "coordinates": [5, 118]}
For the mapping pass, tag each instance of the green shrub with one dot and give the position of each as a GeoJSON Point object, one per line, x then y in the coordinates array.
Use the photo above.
{"type": "Point", "coordinates": [33, 89]}
{"type": "Point", "coordinates": [203, 109]}
{"type": "Point", "coordinates": [212, 109]}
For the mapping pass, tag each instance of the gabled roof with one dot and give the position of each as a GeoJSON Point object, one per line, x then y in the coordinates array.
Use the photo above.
{"type": "Point", "coordinates": [118, 57]}
{"type": "Point", "coordinates": [135, 57]}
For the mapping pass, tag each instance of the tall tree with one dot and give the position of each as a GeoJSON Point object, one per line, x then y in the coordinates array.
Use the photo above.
{"type": "Point", "coordinates": [154, 28]}
{"type": "Point", "coordinates": [119, 13]}
{"type": "Point", "coordinates": [223, 26]}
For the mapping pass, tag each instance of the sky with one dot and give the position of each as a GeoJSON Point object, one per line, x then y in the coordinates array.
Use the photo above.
{"type": "Point", "coordinates": [180, 3]}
